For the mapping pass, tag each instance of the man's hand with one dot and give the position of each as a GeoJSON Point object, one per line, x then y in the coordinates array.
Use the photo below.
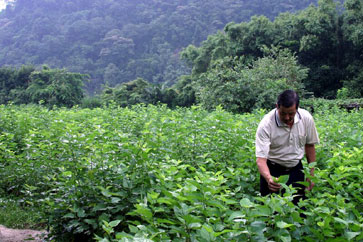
{"type": "Point", "coordinates": [310, 156]}
{"type": "Point", "coordinates": [265, 172]}
{"type": "Point", "coordinates": [272, 185]}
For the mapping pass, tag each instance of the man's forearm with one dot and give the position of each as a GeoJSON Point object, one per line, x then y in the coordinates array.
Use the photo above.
{"type": "Point", "coordinates": [263, 168]}
{"type": "Point", "coordinates": [265, 172]}
{"type": "Point", "coordinates": [310, 156]}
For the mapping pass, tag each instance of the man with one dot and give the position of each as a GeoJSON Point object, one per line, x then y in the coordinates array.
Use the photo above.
{"type": "Point", "coordinates": [282, 138]}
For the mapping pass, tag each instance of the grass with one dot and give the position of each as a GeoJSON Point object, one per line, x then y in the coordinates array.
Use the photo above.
{"type": "Point", "coordinates": [14, 215]}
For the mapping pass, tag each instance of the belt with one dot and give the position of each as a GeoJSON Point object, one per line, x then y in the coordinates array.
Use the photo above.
{"type": "Point", "coordinates": [282, 168]}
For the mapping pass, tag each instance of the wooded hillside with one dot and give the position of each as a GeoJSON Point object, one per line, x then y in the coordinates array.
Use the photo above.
{"type": "Point", "coordinates": [119, 41]}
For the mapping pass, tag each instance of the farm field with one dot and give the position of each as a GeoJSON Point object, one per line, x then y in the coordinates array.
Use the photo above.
{"type": "Point", "coordinates": [154, 174]}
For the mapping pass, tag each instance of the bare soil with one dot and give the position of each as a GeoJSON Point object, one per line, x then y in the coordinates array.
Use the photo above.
{"type": "Point", "coordinates": [20, 235]}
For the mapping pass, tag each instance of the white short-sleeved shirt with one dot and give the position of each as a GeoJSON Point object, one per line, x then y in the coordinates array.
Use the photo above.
{"type": "Point", "coordinates": [278, 143]}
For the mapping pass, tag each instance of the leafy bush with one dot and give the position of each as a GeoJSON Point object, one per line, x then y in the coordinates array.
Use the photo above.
{"type": "Point", "coordinates": [239, 87]}
{"type": "Point", "coordinates": [91, 102]}
{"type": "Point", "coordinates": [323, 105]}
{"type": "Point", "coordinates": [51, 87]}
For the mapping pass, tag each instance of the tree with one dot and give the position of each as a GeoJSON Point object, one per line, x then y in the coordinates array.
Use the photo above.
{"type": "Point", "coordinates": [129, 93]}
{"type": "Point", "coordinates": [112, 75]}
{"type": "Point", "coordinates": [13, 83]}
{"type": "Point", "coordinates": [142, 38]}
{"type": "Point", "coordinates": [352, 29]}
{"type": "Point", "coordinates": [240, 88]}
{"type": "Point", "coordinates": [55, 87]}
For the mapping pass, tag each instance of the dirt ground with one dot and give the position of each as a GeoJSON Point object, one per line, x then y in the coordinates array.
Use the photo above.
{"type": "Point", "coordinates": [20, 235]}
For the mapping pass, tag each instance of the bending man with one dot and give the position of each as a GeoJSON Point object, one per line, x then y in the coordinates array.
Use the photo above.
{"type": "Point", "coordinates": [283, 136]}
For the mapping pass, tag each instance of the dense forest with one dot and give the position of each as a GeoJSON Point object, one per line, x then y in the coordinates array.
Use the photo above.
{"type": "Point", "coordinates": [326, 39]}
{"type": "Point", "coordinates": [236, 54]}
{"type": "Point", "coordinates": [119, 41]}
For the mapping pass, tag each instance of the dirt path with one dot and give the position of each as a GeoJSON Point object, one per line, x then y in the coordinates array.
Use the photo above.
{"type": "Point", "coordinates": [19, 235]}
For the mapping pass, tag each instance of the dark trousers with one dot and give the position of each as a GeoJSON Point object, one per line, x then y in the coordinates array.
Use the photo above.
{"type": "Point", "coordinates": [296, 174]}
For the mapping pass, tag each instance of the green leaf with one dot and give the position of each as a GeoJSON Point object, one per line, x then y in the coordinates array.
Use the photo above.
{"type": "Point", "coordinates": [194, 225]}
{"type": "Point", "coordinates": [258, 226]}
{"type": "Point", "coordinates": [81, 213]}
{"type": "Point", "coordinates": [285, 238]}
{"type": "Point", "coordinates": [164, 221]}
{"type": "Point", "coordinates": [114, 223]}
{"type": "Point", "coordinates": [115, 200]}
{"type": "Point", "coordinates": [283, 225]}
{"type": "Point", "coordinates": [133, 229]}
{"type": "Point", "coordinates": [69, 215]}
{"type": "Point", "coordinates": [351, 235]}
{"type": "Point", "coordinates": [236, 215]}
{"type": "Point", "coordinates": [246, 203]}
{"type": "Point", "coordinates": [92, 222]}
{"type": "Point", "coordinates": [207, 233]}
{"type": "Point", "coordinates": [283, 179]}
{"type": "Point", "coordinates": [99, 207]}
{"type": "Point", "coordinates": [262, 211]}
{"type": "Point", "coordinates": [143, 211]}
{"type": "Point", "coordinates": [339, 220]}
{"type": "Point", "coordinates": [166, 200]}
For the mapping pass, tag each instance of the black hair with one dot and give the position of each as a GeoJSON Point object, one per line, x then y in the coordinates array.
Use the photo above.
{"type": "Point", "coordinates": [288, 98]}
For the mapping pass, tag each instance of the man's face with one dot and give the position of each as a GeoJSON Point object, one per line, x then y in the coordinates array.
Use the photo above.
{"type": "Point", "coordinates": [287, 115]}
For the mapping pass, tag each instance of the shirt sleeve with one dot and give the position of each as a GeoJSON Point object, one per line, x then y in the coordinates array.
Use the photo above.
{"type": "Point", "coordinates": [262, 141]}
{"type": "Point", "coordinates": [311, 132]}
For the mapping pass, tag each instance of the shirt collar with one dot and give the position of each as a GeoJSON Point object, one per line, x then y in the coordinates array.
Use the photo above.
{"type": "Point", "coordinates": [279, 123]}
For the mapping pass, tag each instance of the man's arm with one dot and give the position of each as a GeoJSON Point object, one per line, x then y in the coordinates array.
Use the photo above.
{"type": "Point", "coordinates": [265, 172]}
{"type": "Point", "coordinates": [310, 157]}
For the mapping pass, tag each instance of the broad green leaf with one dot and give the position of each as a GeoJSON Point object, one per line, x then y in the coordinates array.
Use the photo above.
{"type": "Point", "coordinates": [246, 203]}
{"type": "Point", "coordinates": [100, 207]}
{"type": "Point", "coordinates": [261, 211]}
{"type": "Point", "coordinates": [194, 225]}
{"type": "Point", "coordinates": [283, 179]}
{"type": "Point", "coordinates": [143, 211]}
{"type": "Point", "coordinates": [166, 200]}
{"type": "Point", "coordinates": [285, 238]}
{"type": "Point", "coordinates": [92, 222]}
{"type": "Point", "coordinates": [81, 213]}
{"type": "Point", "coordinates": [69, 215]}
{"type": "Point", "coordinates": [115, 200]}
{"type": "Point", "coordinates": [283, 225]}
{"type": "Point", "coordinates": [207, 233]}
{"type": "Point", "coordinates": [114, 223]}
{"type": "Point", "coordinates": [163, 221]}
{"type": "Point", "coordinates": [133, 229]}
{"type": "Point", "coordinates": [339, 220]}
{"type": "Point", "coordinates": [236, 215]}
{"type": "Point", "coordinates": [258, 226]}
{"type": "Point", "coordinates": [351, 235]}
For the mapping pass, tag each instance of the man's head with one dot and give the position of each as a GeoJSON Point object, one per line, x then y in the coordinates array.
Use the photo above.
{"type": "Point", "coordinates": [287, 105]}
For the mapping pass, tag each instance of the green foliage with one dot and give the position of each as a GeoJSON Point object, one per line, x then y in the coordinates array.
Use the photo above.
{"type": "Point", "coordinates": [324, 39]}
{"type": "Point", "coordinates": [325, 104]}
{"type": "Point", "coordinates": [117, 41]}
{"type": "Point", "coordinates": [13, 215]}
{"type": "Point", "coordinates": [156, 174]}
{"type": "Point", "coordinates": [185, 90]}
{"type": "Point", "coordinates": [13, 82]}
{"type": "Point", "coordinates": [49, 86]}
{"type": "Point", "coordinates": [55, 87]}
{"type": "Point", "coordinates": [130, 93]}
{"type": "Point", "coordinates": [140, 91]}
{"type": "Point", "coordinates": [91, 102]}
{"type": "Point", "coordinates": [240, 88]}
